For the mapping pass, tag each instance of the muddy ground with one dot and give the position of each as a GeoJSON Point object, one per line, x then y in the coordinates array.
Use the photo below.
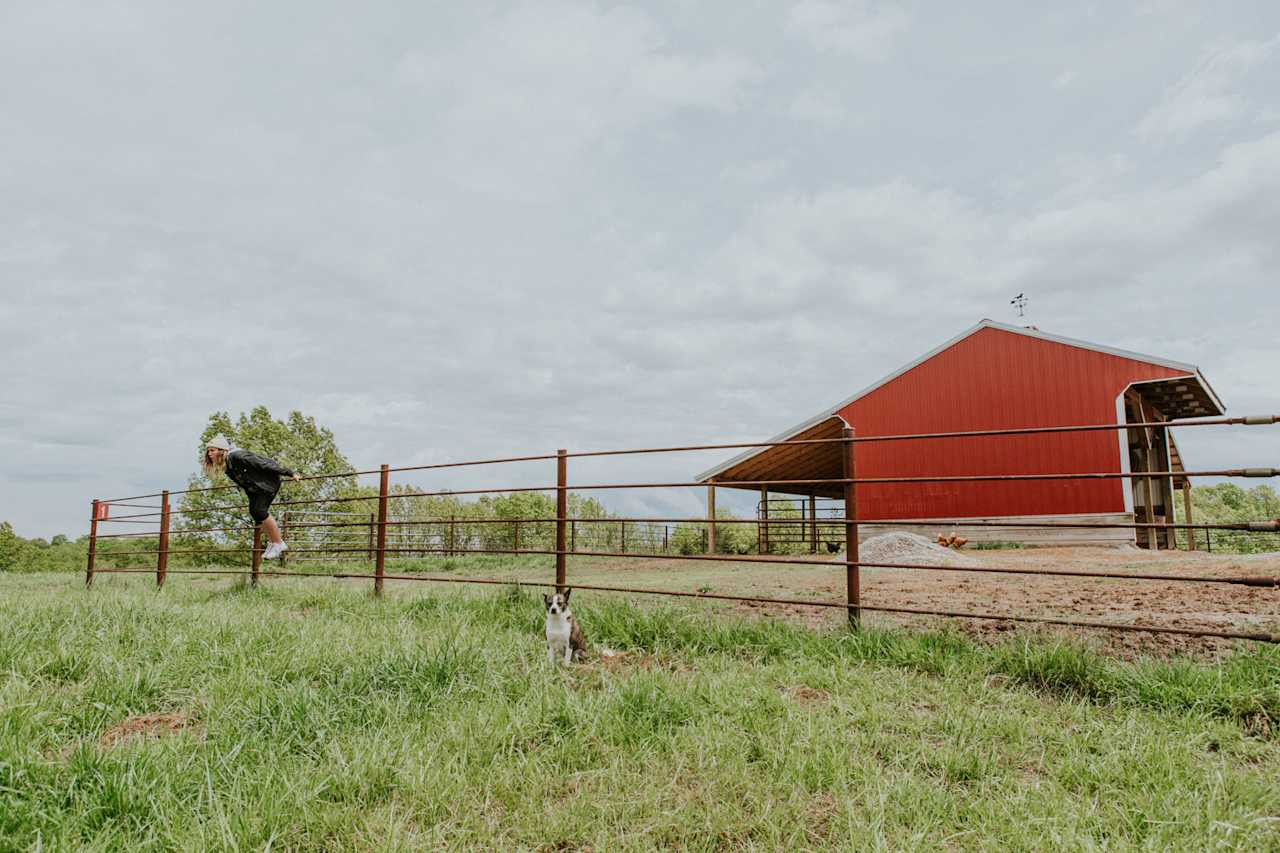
{"type": "Point", "coordinates": [1170, 603]}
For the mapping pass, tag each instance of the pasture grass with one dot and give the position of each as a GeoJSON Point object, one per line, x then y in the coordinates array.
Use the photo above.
{"type": "Point", "coordinates": [308, 715]}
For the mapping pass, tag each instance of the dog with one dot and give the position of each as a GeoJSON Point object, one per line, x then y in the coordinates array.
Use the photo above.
{"type": "Point", "coordinates": [564, 636]}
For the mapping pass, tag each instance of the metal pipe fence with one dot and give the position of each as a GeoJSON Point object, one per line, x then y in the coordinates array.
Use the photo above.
{"type": "Point", "coordinates": [330, 529]}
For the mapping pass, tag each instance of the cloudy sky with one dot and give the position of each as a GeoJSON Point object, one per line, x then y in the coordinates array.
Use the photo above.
{"type": "Point", "coordinates": [448, 230]}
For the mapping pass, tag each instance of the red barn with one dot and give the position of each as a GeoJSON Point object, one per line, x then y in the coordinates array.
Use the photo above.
{"type": "Point", "coordinates": [995, 376]}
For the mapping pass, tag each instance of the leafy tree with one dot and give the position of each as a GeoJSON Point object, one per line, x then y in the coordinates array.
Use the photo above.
{"type": "Point", "coordinates": [1229, 502]}
{"type": "Point", "coordinates": [11, 547]}
{"type": "Point", "coordinates": [297, 442]}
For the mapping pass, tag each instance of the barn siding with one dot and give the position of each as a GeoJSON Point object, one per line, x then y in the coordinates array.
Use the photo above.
{"type": "Point", "coordinates": [996, 379]}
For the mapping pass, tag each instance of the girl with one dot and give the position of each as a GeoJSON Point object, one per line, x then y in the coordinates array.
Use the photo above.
{"type": "Point", "coordinates": [258, 476]}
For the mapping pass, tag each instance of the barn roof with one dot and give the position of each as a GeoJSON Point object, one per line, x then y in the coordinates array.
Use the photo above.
{"type": "Point", "coordinates": [1186, 396]}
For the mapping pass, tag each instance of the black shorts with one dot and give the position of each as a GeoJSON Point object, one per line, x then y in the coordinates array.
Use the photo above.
{"type": "Point", "coordinates": [260, 504]}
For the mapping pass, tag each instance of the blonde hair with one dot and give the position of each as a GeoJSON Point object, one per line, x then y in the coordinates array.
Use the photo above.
{"type": "Point", "coordinates": [213, 470]}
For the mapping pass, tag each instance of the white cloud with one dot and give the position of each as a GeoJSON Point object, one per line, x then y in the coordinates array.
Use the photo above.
{"type": "Point", "coordinates": [1065, 79]}
{"type": "Point", "coordinates": [1209, 93]}
{"type": "Point", "coordinates": [822, 106]}
{"type": "Point", "coordinates": [546, 82]}
{"type": "Point", "coordinates": [864, 28]}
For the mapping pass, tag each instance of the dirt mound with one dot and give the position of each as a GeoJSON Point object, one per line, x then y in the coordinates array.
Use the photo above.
{"type": "Point", "coordinates": [151, 725]}
{"type": "Point", "coordinates": [910, 548]}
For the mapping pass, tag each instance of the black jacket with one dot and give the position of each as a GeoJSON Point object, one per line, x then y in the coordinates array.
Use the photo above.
{"type": "Point", "coordinates": [252, 472]}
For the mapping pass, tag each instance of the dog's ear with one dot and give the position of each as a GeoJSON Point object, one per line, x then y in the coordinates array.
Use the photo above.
{"type": "Point", "coordinates": [546, 600]}
{"type": "Point", "coordinates": [567, 590]}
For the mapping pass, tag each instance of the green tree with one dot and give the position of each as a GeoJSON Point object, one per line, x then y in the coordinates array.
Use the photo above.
{"type": "Point", "coordinates": [298, 442]}
{"type": "Point", "coordinates": [11, 548]}
{"type": "Point", "coordinates": [1229, 502]}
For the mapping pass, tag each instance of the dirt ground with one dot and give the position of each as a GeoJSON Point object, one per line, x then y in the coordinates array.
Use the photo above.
{"type": "Point", "coordinates": [1180, 604]}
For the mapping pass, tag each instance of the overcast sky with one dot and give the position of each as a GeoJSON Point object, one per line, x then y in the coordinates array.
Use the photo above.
{"type": "Point", "coordinates": [448, 230]}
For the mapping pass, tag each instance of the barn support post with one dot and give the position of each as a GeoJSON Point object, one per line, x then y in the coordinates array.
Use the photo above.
{"type": "Point", "coordinates": [256, 567]}
{"type": "Point", "coordinates": [93, 545]}
{"type": "Point", "coordinates": [1164, 460]}
{"type": "Point", "coordinates": [711, 520]}
{"type": "Point", "coordinates": [1186, 511]}
{"type": "Point", "coordinates": [162, 553]}
{"type": "Point", "coordinates": [380, 566]}
{"type": "Point", "coordinates": [853, 582]}
{"type": "Point", "coordinates": [562, 512]}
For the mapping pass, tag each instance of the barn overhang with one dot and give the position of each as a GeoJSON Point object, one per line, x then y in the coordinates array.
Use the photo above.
{"type": "Point", "coordinates": [1187, 396]}
{"type": "Point", "coordinates": [802, 462]}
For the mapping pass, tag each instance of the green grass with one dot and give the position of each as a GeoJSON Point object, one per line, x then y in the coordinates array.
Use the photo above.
{"type": "Point", "coordinates": [316, 717]}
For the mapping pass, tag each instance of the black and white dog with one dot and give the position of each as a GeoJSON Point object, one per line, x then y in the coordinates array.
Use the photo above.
{"type": "Point", "coordinates": [564, 636]}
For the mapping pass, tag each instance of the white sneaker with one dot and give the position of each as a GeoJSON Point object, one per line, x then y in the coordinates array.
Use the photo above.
{"type": "Point", "coordinates": [274, 549]}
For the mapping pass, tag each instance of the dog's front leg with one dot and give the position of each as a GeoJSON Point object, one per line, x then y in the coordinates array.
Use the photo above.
{"type": "Point", "coordinates": [551, 654]}
{"type": "Point", "coordinates": [568, 653]}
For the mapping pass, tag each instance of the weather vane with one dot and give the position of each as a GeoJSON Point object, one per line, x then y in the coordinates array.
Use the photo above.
{"type": "Point", "coordinates": [1020, 301]}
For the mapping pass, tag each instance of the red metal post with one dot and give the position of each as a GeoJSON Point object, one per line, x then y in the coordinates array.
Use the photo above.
{"type": "Point", "coordinates": [382, 531]}
{"type": "Point", "coordinates": [162, 555]}
{"type": "Point", "coordinates": [765, 546]}
{"type": "Point", "coordinates": [853, 586]}
{"type": "Point", "coordinates": [562, 512]}
{"type": "Point", "coordinates": [257, 555]}
{"type": "Point", "coordinates": [813, 523]}
{"type": "Point", "coordinates": [711, 519]}
{"type": "Point", "coordinates": [93, 543]}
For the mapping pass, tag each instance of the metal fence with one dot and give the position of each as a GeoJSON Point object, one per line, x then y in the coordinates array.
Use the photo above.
{"type": "Point", "coordinates": [321, 530]}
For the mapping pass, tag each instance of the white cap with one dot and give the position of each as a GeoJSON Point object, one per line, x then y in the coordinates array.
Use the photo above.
{"type": "Point", "coordinates": [220, 442]}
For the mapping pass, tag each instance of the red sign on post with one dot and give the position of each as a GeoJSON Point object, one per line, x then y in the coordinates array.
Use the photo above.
{"type": "Point", "coordinates": [104, 509]}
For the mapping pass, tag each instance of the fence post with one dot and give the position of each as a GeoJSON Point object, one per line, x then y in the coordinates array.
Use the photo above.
{"type": "Point", "coordinates": [851, 568]}
{"type": "Point", "coordinates": [382, 531]}
{"type": "Point", "coordinates": [453, 536]}
{"type": "Point", "coordinates": [257, 555]}
{"type": "Point", "coordinates": [813, 523]}
{"type": "Point", "coordinates": [93, 545]}
{"type": "Point", "coordinates": [562, 510]}
{"type": "Point", "coordinates": [370, 554]}
{"type": "Point", "coordinates": [711, 519]}
{"type": "Point", "coordinates": [162, 554]}
{"type": "Point", "coordinates": [765, 546]}
{"type": "Point", "coordinates": [573, 536]}
{"type": "Point", "coordinates": [517, 547]}
{"type": "Point", "coordinates": [623, 527]}
{"type": "Point", "coordinates": [284, 535]}
{"type": "Point", "coordinates": [665, 531]}
{"type": "Point", "coordinates": [1186, 512]}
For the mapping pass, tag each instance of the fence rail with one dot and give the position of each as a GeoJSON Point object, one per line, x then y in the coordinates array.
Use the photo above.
{"type": "Point", "coordinates": [328, 529]}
